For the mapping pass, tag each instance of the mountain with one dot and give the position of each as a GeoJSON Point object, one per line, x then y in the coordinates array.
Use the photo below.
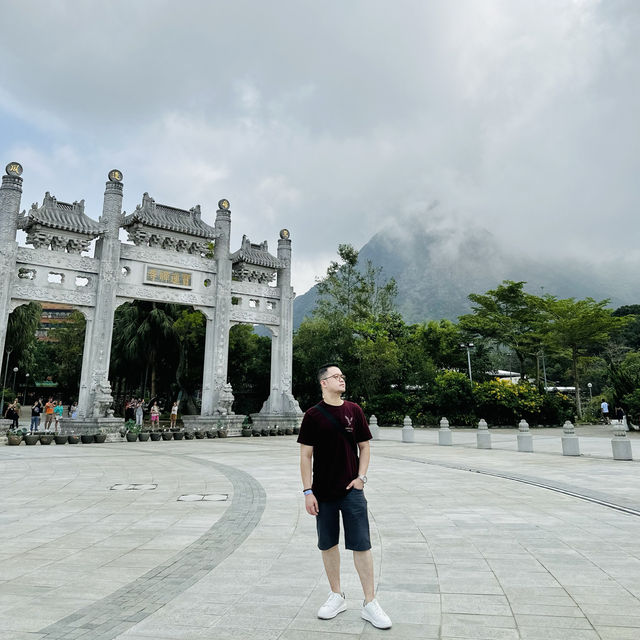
{"type": "Point", "coordinates": [437, 265]}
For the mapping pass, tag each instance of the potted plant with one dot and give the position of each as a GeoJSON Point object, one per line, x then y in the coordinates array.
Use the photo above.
{"type": "Point", "coordinates": [167, 435]}
{"type": "Point", "coordinates": [100, 437]}
{"type": "Point", "coordinates": [256, 431]}
{"type": "Point", "coordinates": [189, 435]}
{"type": "Point", "coordinates": [178, 435]}
{"type": "Point", "coordinates": [86, 438]}
{"type": "Point", "coordinates": [143, 436]}
{"type": "Point", "coordinates": [212, 433]}
{"type": "Point", "coordinates": [199, 434]}
{"type": "Point", "coordinates": [61, 438]}
{"type": "Point", "coordinates": [46, 438]}
{"type": "Point", "coordinates": [155, 436]}
{"type": "Point", "coordinates": [14, 437]}
{"type": "Point", "coordinates": [274, 430]}
{"type": "Point", "coordinates": [31, 438]}
{"type": "Point", "coordinates": [246, 428]}
{"type": "Point", "coordinates": [72, 438]}
{"type": "Point", "coordinates": [131, 430]}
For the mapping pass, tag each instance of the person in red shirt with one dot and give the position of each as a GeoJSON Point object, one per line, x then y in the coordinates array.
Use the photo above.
{"type": "Point", "coordinates": [334, 458]}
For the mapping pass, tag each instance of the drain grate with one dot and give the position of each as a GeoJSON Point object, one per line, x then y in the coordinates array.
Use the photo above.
{"type": "Point", "coordinates": [199, 497]}
{"type": "Point", "coordinates": [133, 487]}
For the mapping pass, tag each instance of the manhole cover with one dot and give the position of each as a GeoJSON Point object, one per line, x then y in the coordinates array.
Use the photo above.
{"type": "Point", "coordinates": [199, 497]}
{"type": "Point", "coordinates": [133, 487]}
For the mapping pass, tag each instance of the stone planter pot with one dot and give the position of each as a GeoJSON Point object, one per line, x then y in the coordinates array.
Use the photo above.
{"type": "Point", "coordinates": [131, 437]}
{"type": "Point", "coordinates": [13, 439]}
{"type": "Point", "coordinates": [273, 431]}
{"type": "Point", "coordinates": [46, 438]}
{"type": "Point", "coordinates": [143, 436]}
{"type": "Point", "coordinates": [296, 431]}
{"type": "Point", "coordinates": [167, 435]}
{"type": "Point", "coordinates": [73, 439]}
{"type": "Point", "coordinates": [60, 439]}
{"type": "Point", "coordinates": [175, 429]}
{"type": "Point", "coordinates": [266, 431]}
{"type": "Point", "coordinates": [256, 433]}
{"type": "Point", "coordinates": [212, 434]}
{"type": "Point", "coordinates": [87, 438]}
{"type": "Point", "coordinates": [199, 435]}
{"type": "Point", "coordinates": [155, 436]}
{"type": "Point", "coordinates": [289, 431]}
{"type": "Point", "coordinates": [31, 439]}
{"type": "Point", "coordinates": [222, 433]}
{"type": "Point", "coordinates": [188, 435]}
{"type": "Point", "coordinates": [100, 438]}
{"type": "Point", "coordinates": [178, 435]}
{"type": "Point", "coordinates": [246, 433]}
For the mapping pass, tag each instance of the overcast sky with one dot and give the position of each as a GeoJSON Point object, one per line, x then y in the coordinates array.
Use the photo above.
{"type": "Point", "coordinates": [335, 118]}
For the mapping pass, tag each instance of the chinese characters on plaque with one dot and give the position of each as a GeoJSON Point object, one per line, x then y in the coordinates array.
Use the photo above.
{"type": "Point", "coordinates": [167, 277]}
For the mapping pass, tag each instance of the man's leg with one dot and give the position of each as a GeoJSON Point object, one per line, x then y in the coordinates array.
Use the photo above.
{"type": "Point", "coordinates": [363, 560]}
{"type": "Point", "coordinates": [331, 560]}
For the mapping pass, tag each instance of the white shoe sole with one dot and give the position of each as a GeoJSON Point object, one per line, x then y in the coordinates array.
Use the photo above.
{"type": "Point", "coordinates": [340, 610]}
{"type": "Point", "coordinates": [377, 626]}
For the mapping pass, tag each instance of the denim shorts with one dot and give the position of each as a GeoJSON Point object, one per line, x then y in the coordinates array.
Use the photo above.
{"type": "Point", "coordinates": [355, 521]}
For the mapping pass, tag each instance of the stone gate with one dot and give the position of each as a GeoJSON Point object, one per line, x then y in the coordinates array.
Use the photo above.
{"type": "Point", "coordinates": [171, 260]}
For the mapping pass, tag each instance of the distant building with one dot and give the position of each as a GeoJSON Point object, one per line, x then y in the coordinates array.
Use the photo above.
{"type": "Point", "coordinates": [53, 315]}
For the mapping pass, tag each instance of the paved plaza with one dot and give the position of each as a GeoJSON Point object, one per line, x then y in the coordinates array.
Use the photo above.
{"type": "Point", "coordinates": [210, 539]}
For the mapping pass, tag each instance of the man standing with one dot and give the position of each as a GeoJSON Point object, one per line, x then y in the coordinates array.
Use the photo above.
{"type": "Point", "coordinates": [331, 435]}
{"type": "Point", "coordinates": [604, 406]}
{"type": "Point", "coordinates": [48, 414]}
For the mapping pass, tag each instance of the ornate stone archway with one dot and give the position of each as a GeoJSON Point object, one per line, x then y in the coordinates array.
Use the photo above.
{"type": "Point", "coordinates": [175, 257]}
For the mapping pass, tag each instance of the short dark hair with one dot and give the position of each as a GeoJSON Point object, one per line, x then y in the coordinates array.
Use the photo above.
{"type": "Point", "coordinates": [323, 370]}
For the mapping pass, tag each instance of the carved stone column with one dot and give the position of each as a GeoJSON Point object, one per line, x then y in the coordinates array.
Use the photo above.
{"type": "Point", "coordinates": [10, 196]}
{"type": "Point", "coordinates": [208, 380]}
{"type": "Point", "coordinates": [217, 356]}
{"type": "Point", "coordinates": [281, 406]}
{"type": "Point", "coordinates": [98, 398]}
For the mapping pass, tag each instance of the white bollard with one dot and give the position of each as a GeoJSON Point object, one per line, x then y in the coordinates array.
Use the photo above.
{"type": "Point", "coordinates": [624, 423]}
{"type": "Point", "coordinates": [444, 433]}
{"type": "Point", "coordinates": [483, 436]}
{"type": "Point", "coordinates": [525, 439]}
{"type": "Point", "coordinates": [407, 430]}
{"type": "Point", "coordinates": [570, 441]}
{"type": "Point", "coordinates": [373, 427]}
{"type": "Point", "coordinates": [620, 444]}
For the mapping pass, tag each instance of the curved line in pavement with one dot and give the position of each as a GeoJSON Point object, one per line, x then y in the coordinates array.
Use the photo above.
{"type": "Point", "coordinates": [588, 496]}
{"type": "Point", "coordinates": [114, 614]}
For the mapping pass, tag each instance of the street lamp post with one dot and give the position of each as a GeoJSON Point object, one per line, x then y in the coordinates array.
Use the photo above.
{"type": "Point", "coordinates": [13, 386]}
{"type": "Point", "coordinates": [590, 393]}
{"type": "Point", "coordinates": [467, 346]}
{"type": "Point", "coordinates": [26, 386]}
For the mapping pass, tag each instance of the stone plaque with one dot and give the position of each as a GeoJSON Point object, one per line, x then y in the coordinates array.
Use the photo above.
{"type": "Point", "coordinates": [167, 277]}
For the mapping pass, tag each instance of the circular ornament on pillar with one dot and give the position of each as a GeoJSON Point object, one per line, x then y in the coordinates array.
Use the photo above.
{"type": "Point", "coordinates": [284, 234]}
{"type": "Point", "coordinates": [115, 175]}
{"type": "Point", "coordinates": [224, 204]}
{"type": "Point", "coordinates": [14, 169]}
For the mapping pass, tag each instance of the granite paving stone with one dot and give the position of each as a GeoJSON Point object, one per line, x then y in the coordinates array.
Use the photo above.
{"type": "Point", "coordinates": [466, 544]}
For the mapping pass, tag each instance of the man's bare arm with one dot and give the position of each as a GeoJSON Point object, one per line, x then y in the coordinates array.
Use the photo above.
{"type": "Point", "coordinates": [306, 456]}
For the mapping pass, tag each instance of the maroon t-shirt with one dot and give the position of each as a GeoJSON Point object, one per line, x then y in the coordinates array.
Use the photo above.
{"type": "Point", "coordinates": [335, 461]}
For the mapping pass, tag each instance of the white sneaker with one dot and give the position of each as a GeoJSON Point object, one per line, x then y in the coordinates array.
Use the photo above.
{"type": "Point", "coordinates": [334, 605]}
{"type": "Point", "coordinates": [374, 614]}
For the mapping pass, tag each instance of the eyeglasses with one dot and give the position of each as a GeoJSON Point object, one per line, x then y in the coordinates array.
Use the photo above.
{"type": "Point", "coordinates": [337, 376]}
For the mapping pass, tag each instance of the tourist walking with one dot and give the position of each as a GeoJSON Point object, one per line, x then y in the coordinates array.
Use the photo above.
{"type": "Point", "coordinates": [13, 413]}
{"type": "Point", "coordinates": [58, 410]}
{"type": "Point", "coordinates": [155, 415]}
{"type": "Point", "coordinates": [139, 413]}
{"type": "Point", "coordinates": [604, 407]}
{"type": "Point", "coordinates": [174, 414]}
{"type": "Point", "coordinates": [36, 410]}
{"type": "Point", "coordinates": [48, 414]}
{"type": "Point", "coordinates": [332, 434]}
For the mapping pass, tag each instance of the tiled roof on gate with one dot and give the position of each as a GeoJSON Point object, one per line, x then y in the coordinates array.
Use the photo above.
{"type": "Point", "coordinates": [60, 215]}
{"type": "Point", "coordinates": [162, 216]}
{"type": "Point", "coordinates": [256, 254]}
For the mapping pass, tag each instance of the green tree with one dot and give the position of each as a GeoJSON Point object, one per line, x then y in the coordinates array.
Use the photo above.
{"type": "Point", "coordinates": [20, 342]}
{"type": "Point", "coordinates": [579, 328]}
{"type": "Point", "coordinates": [507, 316]}
{"type": "Point", "coordinates": [68, 339]}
